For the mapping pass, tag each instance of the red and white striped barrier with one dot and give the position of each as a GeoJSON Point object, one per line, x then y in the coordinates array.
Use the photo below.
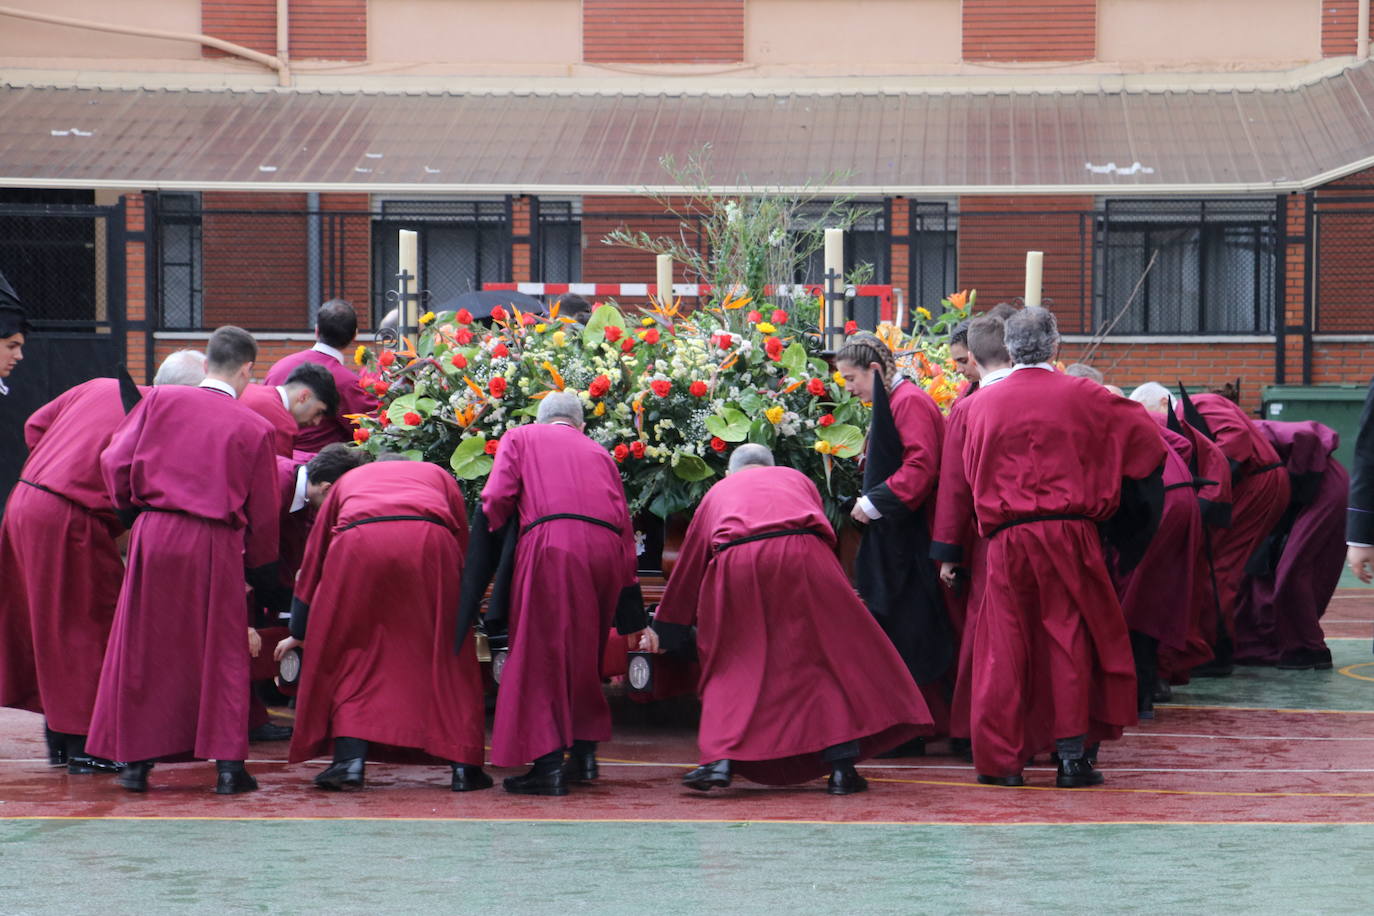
{"type": "Point", "coordinates": [883, 293]}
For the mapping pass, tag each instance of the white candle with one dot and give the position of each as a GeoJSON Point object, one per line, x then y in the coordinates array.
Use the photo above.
{"type": "Point", "coordinates": [665, 279]}
{"type": "Point", "coordinates": [409, 264]}
{"type": "Point", "coordinates": [832, 313]}
{"type": "Point", "coordinates": [1035, 267]}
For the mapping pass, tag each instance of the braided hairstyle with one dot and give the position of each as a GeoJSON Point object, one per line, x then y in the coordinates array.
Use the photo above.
{"type": "Point", "coordinates": [863, 349]}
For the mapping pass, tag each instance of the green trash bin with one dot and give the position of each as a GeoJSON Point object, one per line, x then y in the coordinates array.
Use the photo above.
{"type": "Point", "coordinates": [1336, 406]}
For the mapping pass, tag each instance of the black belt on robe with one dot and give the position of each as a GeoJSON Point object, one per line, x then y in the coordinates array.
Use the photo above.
{"type": "Point", "coordinates": [1026, 520]}
{"type": "Point", "coordinates": [393, 518]}
{"type": "Point", "coordinates": [763, 536]}
{"type": "Point", "coordinates": [1259, 470]}
{"type": "Point", "coordinates": [62, 496]}
{"type": "Point", "coordinates": [574, 517]}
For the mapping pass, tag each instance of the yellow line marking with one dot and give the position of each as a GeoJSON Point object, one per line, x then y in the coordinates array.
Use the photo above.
{"type": "Point", "coordinates": [936, 782]}
{"type": "Point", "coordinates": [1349, 669]}
{"type": "Point", "coordinates": [701, 820]}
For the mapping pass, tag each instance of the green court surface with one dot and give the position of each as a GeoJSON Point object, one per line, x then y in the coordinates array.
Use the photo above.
{"type": "Point", "coordinates": [634, 868]}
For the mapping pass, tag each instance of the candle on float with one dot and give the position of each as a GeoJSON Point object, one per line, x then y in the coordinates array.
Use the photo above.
{"type": "Point", "coordinates": [409, 263]}
{"type": "Point", "coordinates": [832, 313]}
{"type": "Point", "coordinates": [665, 279]}
{"type": "Point", "coordinates": [1035, 267]}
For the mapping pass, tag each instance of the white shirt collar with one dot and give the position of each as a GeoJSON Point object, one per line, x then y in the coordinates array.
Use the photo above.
{"type": "Point", "coordinates": [995, 376]}
{"type": "Point", "coordinates": [4, 389]}
{"type": "Point", "coordinates": [217, 385]}
{"type": "Point", "coordinates": [285, 399]}
{"type": "Point", "coordinates": [326, 348]}
{"type": "Point", "coordinates": [1046, 366]}
{"type": "Point", "coordinates": [900, 378]}
{"type": "Point", "coordinates": [298, 500]}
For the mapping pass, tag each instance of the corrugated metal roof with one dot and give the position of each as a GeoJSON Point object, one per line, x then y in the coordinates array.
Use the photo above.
{"type": "Point", "coordinates": [1198, 140]}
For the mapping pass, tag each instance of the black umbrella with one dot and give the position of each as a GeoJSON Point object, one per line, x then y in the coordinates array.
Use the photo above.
{"type": "Point", "coordinates": [481, 302]}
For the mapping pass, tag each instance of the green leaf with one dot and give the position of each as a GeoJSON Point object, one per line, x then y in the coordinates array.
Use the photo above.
{"type": "Point", "coordinates": [595, 332]}
{"type": "Point", "coordinates": [751, 402]}
{"type": "Point", "coordinates": [847, 441]}
{"type": "Point", "coordinates": [794, 360]}
{"type": "Point", "coordinates": [410, 403]}
{"type": "Point", "coordinates": [470, 460]}
{"type": "Point", "coordinates": [690, 467]}
{"type": "Point", "coordinates": [761, 432]}
{"type": "Point", "coordinates": [413, 454]}
{"type": "Point", "coordinates": [729, 424]}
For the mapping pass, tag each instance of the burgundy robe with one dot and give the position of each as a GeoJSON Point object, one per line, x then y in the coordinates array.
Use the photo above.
{"type": "Point", "coordinates": [265, 401]}
{"type": "Point", "coordinates": [1280, 612]}
{"type": "Point", "coordinates": [60, 568]}
{"type": "Point", "coordinates": [176, 673]}
{"type": "Point", "coordinates": [1052, 657]}
{"type": "Point", "coordinates": [568, 577]}
{"type": "Point", "coordinates": [1259, 489]}
{"type": "Point", "coordinates": [382, 599]}
{"type": "Point", "coordinates": [791, 660]}
{"type": "Point", "coordinates": [352, 399]}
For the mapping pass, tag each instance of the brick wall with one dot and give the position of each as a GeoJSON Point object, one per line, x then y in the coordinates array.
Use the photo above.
{"type": "Point", "coordinates": [1030, 30]}
{"type": "Point", "coordinates": [606, 264]}
{"type": "Point", "coordinates": [521, 227]}
{"type": "Point", "coordinates": [254, 264]}
{"type": "Point", "coordinates": [1199, 366]}
{"type": "Point", "coordinates": [665, 31]}
{"type": "Point", "coordinates": [136, 290]}
{"type": "Point", "coordinates": [899, 251]}
{"type": "Point", "coordinates": [996, 232]}
{"type": "Point", "coordinates": [346, 253]}
{"type": "Point", "coordinates": [326, 29]}
{"type": "Point", "coordinates": [1339, 21]}
{"type": "Point", "coordinates": [269, 351]}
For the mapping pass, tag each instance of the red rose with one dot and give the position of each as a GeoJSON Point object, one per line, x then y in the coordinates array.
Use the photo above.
{"type": "Point", "coordinates": [620, 452]}
{"type": "Point", "coordinates": [717, 443]}
{"type": "Point", "coordinates": [460, 361]}
{"type": "Point", "coordinates": [380, 388]}
{"type": "Point", "coordinates": [754, 317]}
{"type": "Point", "coordinates": [637, 449]}
{"type": "Point", "coordinates": [651, 336]}
{"type": "Point", "coordinates": [497, 386]}
{"type": "Point", "coordinates": [490, 448]}
{"type": "Point", "coordinates": [851, 326]}
{"type": "Point", "coordinates": [780, 317]}
{"type": "Point", "coordinates": [661, 387]}
{"type": "Point", "coordinates": [724, 340]}
{"type": "Point", "coordinates": [500, 351]}
{"type": "Point", "coordinates": [816, 387]}
{"type": "Point", "coordinates": [773, 347]}
{"type": "Point", "coordinates": [627, 345]}
{"type": "Point", "coordinates": [361, 435]}
{"type": "Point", "coordinates": [599, 386]}
{"type": "Point", "coordinates": [463, 317]}
{"type": "Point", "coordinates": [697, 389]}
{"type": "Point", "coordinates": [464, 337]}
{"type": "Point", "coordinates": [613, 332]}
{"type": "Point", "coordinates": [527, 319]}
{"type": "Point", "coordinates": [386, 358]}
{"type": "Point", "coordinates": [411, 418]}
{"type": "Point", "coordinates": [827, 420]}
{"type": "Point", "coordinates": [498, 314]}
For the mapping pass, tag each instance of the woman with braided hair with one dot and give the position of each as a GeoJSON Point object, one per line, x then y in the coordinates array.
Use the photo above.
{"type": "Point", "coordinates": [896, 578]}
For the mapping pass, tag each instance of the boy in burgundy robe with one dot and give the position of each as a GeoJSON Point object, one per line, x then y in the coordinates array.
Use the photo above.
{"type": "Point", "coordinates": [1045, 457]}
{"type": "Point", "coordinates": [336, 326]}
{"type": "Point", "coordinates": [376, 606]}
{"type": "Point", "coordinates": [575, 556]}
{"type": "Point", "coordinates": [796, 677]}
{"type": "Point", "coordinates": [14, 324]}
{"type": "Point", "coordinates": [306, 397]}
{"type": "Point", "coordinates": [199, 471]}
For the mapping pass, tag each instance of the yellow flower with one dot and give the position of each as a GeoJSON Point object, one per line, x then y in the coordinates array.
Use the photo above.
{"type": "Point", "coordinates": [825, 448]}
{"type": "Point", "coordinates": [359, 355]}
{"type": "Point", "coordinates": [559, 338]}
{"type": "Point", "coordinates": [765, 327]}
{"type": "Point", "coordinates": [646, 321]}
{"type": "Point", "coordinates": [923, 312]}
{"type": "Point", "coordinates": [774, 415]}
{"type": "Point", "coordinates": [540, 328]}
{"type": "Point", "coordinates": [426, 318]}
{"type": "Point", "coordinates": [600, 409]}
{"type": "Point", "coordinates": [838, 379]}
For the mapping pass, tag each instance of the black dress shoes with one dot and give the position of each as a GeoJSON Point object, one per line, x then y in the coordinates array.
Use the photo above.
{"type": "Point", "coordinates": [342, 775]}
{"type": "Point", "coordinates": [83, 765]}
{"type": "Point", "coordinates": [537, 782]}
{"type": "Point", "coordinates": [467, 778]}
{"type": "Point", "coordinates": [269, 732]}
{"type": "Point", "coordinates": [134, 776]}
{"type": "Point", "coordinates": [916, 747]}
{"type": "Point", "coordinates": [1012, 781]}
{"type": "Point", "coordinates": [845, 780]}
{"type": "Point", "coordinates": [709, 776]}
{"type": "Point", "coordinates": [57, 747]}
{"type": "Point", "coordinates": [233, 778]}
{"type": "Point", "coordinates": [1305, 660]}
{"type": "Point", "coordinates": [580, 767]}
{"type": "Point", "coordinates": [1077, 774]}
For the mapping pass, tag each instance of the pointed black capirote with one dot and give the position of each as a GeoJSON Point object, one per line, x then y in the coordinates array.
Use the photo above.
{"type": "Point", "coordinates": [129, 394]}
{"type": "Point", "coordinates": [1193, 416]}
{"type": "Point", "coordinates": [7, 294]}
{"type": "Point", "coordinates": [884, 454]}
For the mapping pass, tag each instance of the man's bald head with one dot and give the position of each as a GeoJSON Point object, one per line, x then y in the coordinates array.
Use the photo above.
{"type": "Point", "coordinates": [750, 455]}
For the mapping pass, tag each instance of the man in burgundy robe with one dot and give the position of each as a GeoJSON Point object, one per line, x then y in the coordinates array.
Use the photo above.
{"type": "Point", "coordinates": [1295, 572]}
{"type": "Point", "coordinates": [336, 326]}
{"type": "Point", "coordinates": [60, 565]}
{"type": "Point", "coordinates": [199, 471]}
{"type": "Point", "coordinates": [1260, 491]}
{"type": "Point", "coordinates": [1045, 457]}
{"type": "Point", "coordinates": [14, 324]}
{"type": "Point", "coordinates": [306, 397]}
{"type": "Point", "coordinates": [796, 677]}
{"type": "Point", "coordinates": [575, 557]}
{"type": "Point", "coordinates": [376, 605]}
